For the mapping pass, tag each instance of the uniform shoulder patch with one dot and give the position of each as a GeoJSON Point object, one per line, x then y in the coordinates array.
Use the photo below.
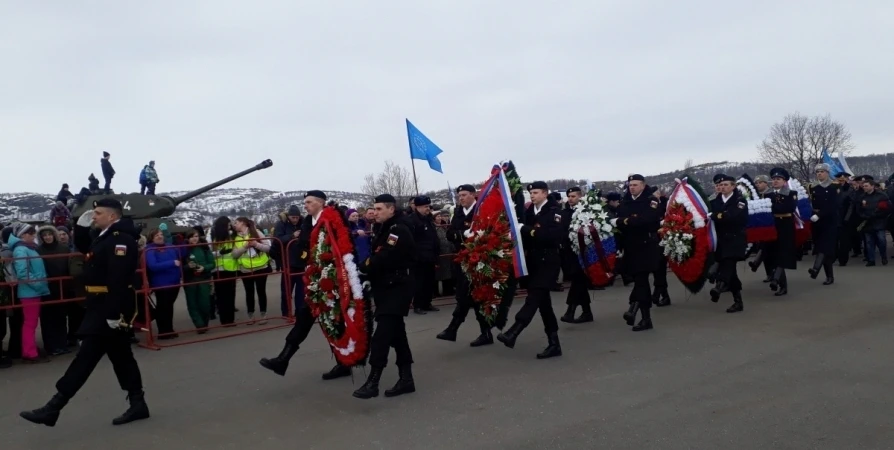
{"type": "Point", "coordinates": [558, 218]}
{"type": "Point", "coordinates": [392, 239]}
{"type": "Point", "coordinates": [120, 250]}
{"type": "Point", "coordinates": [654, 204]}
{"type": "Point", "coordinates": [741, 205]}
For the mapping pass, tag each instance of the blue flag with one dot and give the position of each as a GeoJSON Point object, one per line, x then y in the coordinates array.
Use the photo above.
{"type": "Point", "coordinates": [837, 165]}
{"type": "Point", "coordinates": [423, 148]}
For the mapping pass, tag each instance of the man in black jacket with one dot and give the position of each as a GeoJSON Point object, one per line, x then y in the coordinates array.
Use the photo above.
{"type": "Point", "coordinates": [541, 232]}
{"type": "Point", "coordinates": [638, 220]}
{"type": "Point", "coordinates": [578, 293]}
{"type": "Point", "coordinates": [388, 270]}
{"type": "Point", "coordinates": [782, 253]}
{"type": "Point", "coordinates": [825, 197]}
{"type": "Point", "coordinates": [428, 250]}
{"type": "Point", "coordinates": [107, 171]}
{"type": "Point", "coordinates": [873, 210]}
{"type": "Point", "coordinates": [288, 256]}
{"type": "Point", "coordinates": [729, 212]}
{"type": "Point", "coordinates": [660, 296]}
{"type": "Point", "coordinates": [110, 262]}
{"type": "Point", "coordinates": [845, 243]}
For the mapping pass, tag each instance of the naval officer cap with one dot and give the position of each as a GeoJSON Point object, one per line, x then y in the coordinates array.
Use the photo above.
{"type": "Point", "coordinates": [538, 185]}
{"type": "Point", "coordinates": [422, 200]}
{"type": "Point", "coordinates": [465, 187]}
{"type": "Point", "coordinates": [316, 194]}
{"type": "Point", "coordinates": [572, 189]}
{"type": "Point", "coordinates": [842, 174]}
{"type": "Point", "coordinates": [636, 177]}
{"type": "Point", "coordinates": [385, 198]}
{"type": "Point", "coordinates": [718, 178]}
{"type": "Point", "coordinates": [779, 172]}
{"type": "Point", "coordinates": [725, 178]}
{"type": "Point", "coordinates": [865, 178]}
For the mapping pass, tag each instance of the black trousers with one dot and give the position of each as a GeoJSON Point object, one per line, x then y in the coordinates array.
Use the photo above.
{"type": "Point", "coordinates": [660, 274]}
{"type": "Point", "coordinates": [726, 272]}
{"type": "Point", "coordinates": [304, 322]}
{"type": "Point", "coordinates": [642, 292]}
{"type": "Point", "coordinates": [164, 308]}
{"type": "Point", "coordinates": [464, 301]}
{"type": "Point", "coordinates": [424, 274]}
{"type": "Point", "coordinates": [391, 331]}
{"type": "Point", "coordinates": [225, 293]}
{"type": "Point", "coordinates": [579, 292]}
{"type": "Point", "coordinates": [538, 299]}
{"type": "Point", "coordinates": [843, 250]}
{"type": "Point", "coordinates": [52, 325]}
{"type": "Point", "coordinates": [74, 313]}
{"type": "Point", "coordinates": [108, 187]}
{"type": "Point", "coordinates": [115, 344]}
{"type": "Point", "coordinates": [257, 282]}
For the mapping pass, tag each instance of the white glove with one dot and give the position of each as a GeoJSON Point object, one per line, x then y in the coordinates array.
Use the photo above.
{"type": "Point", "coordinates": [113, 324]}
{"type": "Point", "coordinates": [86, 219]}
{"type": "Point", "coordinates": [518, 228]}
{"type": "Point", "coordinates": [814, 218]}
{"type": "Point", "coordinates": [467, 233]}
{"type": "Point", "coordinates": [614, 222]}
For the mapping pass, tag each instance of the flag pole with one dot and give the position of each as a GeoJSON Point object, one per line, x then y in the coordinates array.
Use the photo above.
{"type": "Point", "coordinates": [415, 182]}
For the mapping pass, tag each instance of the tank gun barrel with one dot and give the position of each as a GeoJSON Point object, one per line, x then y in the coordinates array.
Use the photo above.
{"type": "Point", "coordinates": [193, 194]}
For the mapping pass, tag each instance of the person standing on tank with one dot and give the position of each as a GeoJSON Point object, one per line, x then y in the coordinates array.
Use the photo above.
{"type": "Point", "coordinates": [107, 172]}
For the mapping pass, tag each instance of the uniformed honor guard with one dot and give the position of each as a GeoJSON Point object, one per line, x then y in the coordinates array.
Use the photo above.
{"type": "Point", "coordinates": [459, 225]}
{"type": "Point", "coordinates": [638, 220]}
{"type": "Point", "coordinates": [314, 202]}
{"type": "Point", "coordinates": [825, 196]}
{"type": "Point", "coordinates": [542, 236]}
{"type": "Point", "coordinates": [782, 254]}
{"type": "Point", "coordinates": [428, 250]}
{"type": "Point", "coordinates": [844, 244]}
{"type": "Point", "coordinates": [660, 295]}
{"type": "Point", "coordinates": [578, 293]}
{"type": "Point", "coordinates": [110, 262]}
{"type": "Point", "coordinates": [762, 185]}
{"type": "Point", "coordinates": [729, 212]}
{"type": "Point", "coordinates": [388, 271]}
{"type": "Point", "coordinates": [712, 269]}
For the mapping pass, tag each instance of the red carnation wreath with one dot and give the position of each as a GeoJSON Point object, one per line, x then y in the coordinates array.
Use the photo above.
{"type": "Point", "coordinates": [333, 290]}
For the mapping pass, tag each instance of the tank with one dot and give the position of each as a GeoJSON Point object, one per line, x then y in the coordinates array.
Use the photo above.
{"type": "Point", "coordinates": [149, 211]}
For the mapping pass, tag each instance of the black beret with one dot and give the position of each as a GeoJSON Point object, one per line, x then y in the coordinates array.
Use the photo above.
{"type": "Point", "coordinates": [613, 196]}
{"type": "Point", "coordinates": [107, 203]}
{"type": "Point", "coordinates": [465, 187]}
{"type": "Point", "coordinates": [636, 177]}
{"type": "Point", "coordinates": [385, 198]}
{"type": "Point", "coordinates": [779, 172]}
{"type": "Point", "coordinates": [842, 174]}
{"type": "Point", "coordinates": [315, 193]}
{"type": "Point", "coordinates": [572, 189]}
{"type": "Point", "coordinates": [422, 200]}
{"type": "Point", "coordinates": [719, 177]}
{"type": "Point", "coordinates": [538, 185]}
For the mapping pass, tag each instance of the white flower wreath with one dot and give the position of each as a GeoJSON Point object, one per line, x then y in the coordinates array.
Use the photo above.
{"type": "Point", "coordinates": [589, 211]}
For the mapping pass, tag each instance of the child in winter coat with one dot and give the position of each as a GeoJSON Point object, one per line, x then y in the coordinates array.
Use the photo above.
{"type": "Point", "coordinates": [198, 264]}
{"type": "Point", "coordinates": [28, 266]}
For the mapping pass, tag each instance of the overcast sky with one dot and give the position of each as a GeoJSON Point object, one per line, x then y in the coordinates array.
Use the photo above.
{"type": "Point", "coordinates": [579, 88]}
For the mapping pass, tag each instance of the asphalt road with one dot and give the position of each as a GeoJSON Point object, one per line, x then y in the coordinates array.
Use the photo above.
{"type": "Point", "coordinates": [808, 371]}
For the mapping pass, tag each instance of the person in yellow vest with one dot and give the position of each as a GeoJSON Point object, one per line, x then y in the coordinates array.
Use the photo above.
{"type": "Point", "coordinates": [222, 235]}
{"type": "Point", "coordinates": [250, 250]}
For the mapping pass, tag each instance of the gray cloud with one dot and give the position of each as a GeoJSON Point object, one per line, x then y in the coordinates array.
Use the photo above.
{"type": "Point", "coordinates": [577, 89]}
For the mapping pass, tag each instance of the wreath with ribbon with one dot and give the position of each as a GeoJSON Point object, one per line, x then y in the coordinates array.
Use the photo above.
{"type": "Point", "coordinates": [687, 235]}
{"type": "Point", "coordinates": [593, 239]}
{"type": "Point", "coordinates": [333, 290]}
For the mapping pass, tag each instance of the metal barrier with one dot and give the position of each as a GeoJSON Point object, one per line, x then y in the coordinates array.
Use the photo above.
{"type": "Point", "coordinates": [152, 339]}
{"type": "Point", "coordinates": [62, 280]}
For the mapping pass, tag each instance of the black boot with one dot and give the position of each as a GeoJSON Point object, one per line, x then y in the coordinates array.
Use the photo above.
{"type": "Point", "coordinates": [712, 272]}
{"type": "Point", "coordinates": [370, 389]}
{"type": "Point", "coordinates": [339, 371]}
{"type": "Point", "coordinates": [737, 306]}
{"type": "Point", "coordinates": [665, 299]}
{"type": "Point", "coordinates": [656, 295]}
{"type": "Point", "coordinates": [783, 284]}
{"type": "Point", "coordinates": [509, 336]}
{"type": "Point", "coordinates": [646, 322]}
{"type": "Point", "coordinates": [138, 409]}
{"type": "Point", "coordinates": [756, 262]}
{"type": "Point", "coordinates": [630, 315]}
{"type": "Point", "coordinates": [553, 348]}
{"type": "Point", "coordinates": [450, 333]}
{"type": "Point", "coordinates": [485, 338]}
{"type": "Point", "coordinates": [279, 364]}
{"type": "Point", "coordinates": [404, 385]}
{"type": "Point", "coordinates": [775, 280]}
{"type": "Point", "coordinates": [830, 277]}
{"type": "Point", "coordinates": [586, 315]}
{"type": "Point", "coordinates": [568, 317]}
{"type": "Point", "coordinates": [718, 289]}
{"type": "Point", "coordinates": [817, 263]}
{"type": "Point", "coordinates": [47, 414]}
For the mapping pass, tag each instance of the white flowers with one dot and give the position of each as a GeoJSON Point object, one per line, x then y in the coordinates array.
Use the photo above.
{"type": "Point", "coordinates": [677, 246]}
{"type": "Point", "coordinates": [589, 215]}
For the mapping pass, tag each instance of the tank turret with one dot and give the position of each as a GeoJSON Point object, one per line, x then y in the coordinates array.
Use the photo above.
{"type": "Point", "coordinates": [145, 210]}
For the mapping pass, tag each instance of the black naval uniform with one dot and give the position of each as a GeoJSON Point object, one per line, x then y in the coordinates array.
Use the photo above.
{"type": "Point", "coordinates": [578, 293]}
{"type": "Point", "coordinates": [730, 218]}
{"type": "Point", "coordinates": [428, 250]}
{"type": "Point", "coordinates": [825, 198]}
{"type": "Point", "coordinates": [110, 262]}
{"type": "Point", "coordinates": [638, 220]}
{"type": "Point", "coordinates": [845, 243]}
{"type": "Point", "coordinates": [542, 236]}
{"type": "Point", "coordinates": [782, 254]}
{"type": "Point", "coordinates": [660, 296]}
{"type": "Point", "coordinates": [304, 318]}
{"type": "Point", "coordinates": [388, 270]}
{"type": "Point", "coordinates": [761, 249]}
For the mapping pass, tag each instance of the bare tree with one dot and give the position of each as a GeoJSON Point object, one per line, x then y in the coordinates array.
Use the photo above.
{"type": "Point", "coordinates": [394, 180]}
{"type": "Point", "coordinates": [688, 165]}
{"type": "Point", "coordinates": [798, 141]}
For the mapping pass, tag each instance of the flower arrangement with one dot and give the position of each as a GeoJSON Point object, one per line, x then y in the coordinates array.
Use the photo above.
{"type": "Point", "coordinates": [490, 255]}
{"type": "Point", "coordinates": [333, 290]}
{"type": "Point", "coordinates": [760, 227]}
{"type": "Point", "coordinates": [802, 212]}
{"type": "Point", "coordinates": [687, 235]}
{"type": "Point", "coordinates": [593, 239]}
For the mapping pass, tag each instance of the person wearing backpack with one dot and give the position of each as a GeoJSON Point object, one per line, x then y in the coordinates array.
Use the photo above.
{"type": "Point", "coordinates": [148, 179]}
{"type": "Point", "coordinates": [28, 266]}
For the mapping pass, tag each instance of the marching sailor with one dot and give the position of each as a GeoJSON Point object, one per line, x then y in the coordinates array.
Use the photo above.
{"type": "Point", "coordinates": [762, 186]}
{"type": "Point", "coordinates": [428, 250]}
{"type": "Point", "coordinates": [639, 218]}
{"type": "Point", "coordinates": [110, 262]}
{"type": "Point", "coordinates": [542, 235]}
{"type": "Point", "coordinates": [729, 212]}
{"type": "Point", "coordinates": [388, 270]}
{"type": "Point", "coordinates": [782, 254]}
{"type": "Point", "coordinates": [578, 293]}
{"type": "Point", "coordinates": [825, 198]}
{"type": "Point", "coordinates": [660, 296]}
{"type": "Point", "coordinates": [845, 243]}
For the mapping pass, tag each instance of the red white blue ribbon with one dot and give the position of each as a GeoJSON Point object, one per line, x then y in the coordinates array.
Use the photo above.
{"type": "Point", "coordinates": [498, 178]}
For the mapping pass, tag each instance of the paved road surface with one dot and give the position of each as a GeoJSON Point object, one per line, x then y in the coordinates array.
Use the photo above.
{"type": "Point", "coordinates": [810, 371]}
